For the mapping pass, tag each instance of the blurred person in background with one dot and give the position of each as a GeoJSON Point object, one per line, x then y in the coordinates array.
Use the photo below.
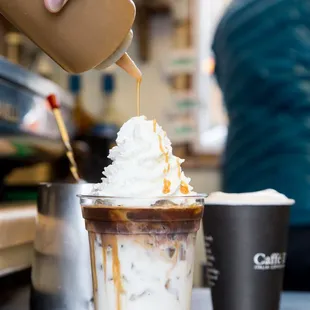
{"type": "Point", "coordinates": [262, 51]}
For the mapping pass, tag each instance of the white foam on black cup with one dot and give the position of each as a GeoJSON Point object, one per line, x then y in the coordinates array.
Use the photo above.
{"type": "Point", "coordinates": [266, 197]}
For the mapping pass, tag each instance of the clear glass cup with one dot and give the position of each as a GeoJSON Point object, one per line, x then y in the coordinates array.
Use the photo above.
{"type": "Point", "coordinates": [142, 250]}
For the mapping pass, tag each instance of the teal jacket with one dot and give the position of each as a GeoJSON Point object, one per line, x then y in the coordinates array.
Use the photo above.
{"type": "Point", "coordinates": [262, 51]}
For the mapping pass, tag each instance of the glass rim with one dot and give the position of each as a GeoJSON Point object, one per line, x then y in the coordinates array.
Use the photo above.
{"type": "Point", "coordinates": [196, 196]}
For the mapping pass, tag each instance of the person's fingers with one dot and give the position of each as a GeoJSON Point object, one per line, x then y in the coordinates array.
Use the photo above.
{"type": "Point", "coordinates": [55, 6]}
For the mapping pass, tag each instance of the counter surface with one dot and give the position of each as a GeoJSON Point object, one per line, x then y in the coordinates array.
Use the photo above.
{"type": "Point", "coordinates": [201, 297]}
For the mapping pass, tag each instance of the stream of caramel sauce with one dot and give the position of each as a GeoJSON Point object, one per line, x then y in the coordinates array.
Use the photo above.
{"type": "Point", "coordinates": [128, 65]}
{"type": "Point", "coordinates": [139, 96]}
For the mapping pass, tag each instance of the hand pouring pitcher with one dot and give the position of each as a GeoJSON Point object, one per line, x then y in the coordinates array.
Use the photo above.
{"type": "Point", "coordinates": [61, 274]}
{"type": "Point", "coordinates": [84, 35]}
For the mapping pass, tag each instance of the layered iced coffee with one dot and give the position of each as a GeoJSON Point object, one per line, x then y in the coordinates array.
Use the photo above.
{"type": "Point", "coordinates": [142, 222]}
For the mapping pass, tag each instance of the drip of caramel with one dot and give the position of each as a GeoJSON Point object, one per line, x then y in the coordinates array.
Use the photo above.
{"type": "Point", "coordinates": [104, 254]}
{"type": "Point", "coordinates": [116, 272]}
{"type": "Point", "coordinates": [167, 158]}
{"type": "Point", "coordinates": [138, 95]}
{"type": "Point", "coordinates": [166, 154]}
{"type": "Point", "coordinates": [166, 170]}
{"type": "Point", "coordinates": [167, 185]}
{"type": "Point", "coordinates": [184, 188]}
{"type": "Point", "coordinates": [92, 237]}
{"type": "Point", "coordinates": [161, 144]}
{"type": "Point", "coordinates": [154, 125]}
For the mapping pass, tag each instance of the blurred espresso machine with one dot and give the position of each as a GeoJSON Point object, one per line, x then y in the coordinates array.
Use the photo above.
{"type": "Point", "coordinates": [29, 141]}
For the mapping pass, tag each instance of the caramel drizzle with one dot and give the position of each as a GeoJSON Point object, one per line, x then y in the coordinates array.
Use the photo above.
{"type": "Point", "coordinates": [184, 188]}
{"type": "Point", "coordinates": [166, 170]}
{"type": "Point", "coordinates": [116, 272]}
{"type": "Point", "coordinates": [179, 169]}
{"type": "Point", "coordinates": [167, 158]}
{"type": "Point", "coordinates": [162, 149]}
{"type": "Point", "coordinates": [104, 254]}
{"type": "Point", "coordinates": [138, 95]}
{"type": "Point", "coordinates": [161, 145]}
{"type": "Point", "coordinates": [144, 244]}
{"type": "Point", "coordinates": [92, 237]}
{"type": "Point", "coordinates": [167, 185]}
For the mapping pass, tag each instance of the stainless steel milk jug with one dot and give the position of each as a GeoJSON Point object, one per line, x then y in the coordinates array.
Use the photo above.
{"type": "Point", "coordinates": [61, 274]}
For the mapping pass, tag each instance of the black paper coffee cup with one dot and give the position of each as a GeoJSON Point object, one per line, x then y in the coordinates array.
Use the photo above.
{"type": "Point", "coordinates": [246, 253]}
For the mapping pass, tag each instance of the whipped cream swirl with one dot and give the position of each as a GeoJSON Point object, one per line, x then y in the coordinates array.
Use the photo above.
{"type": "Point", "coordinates": [143, 165]}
